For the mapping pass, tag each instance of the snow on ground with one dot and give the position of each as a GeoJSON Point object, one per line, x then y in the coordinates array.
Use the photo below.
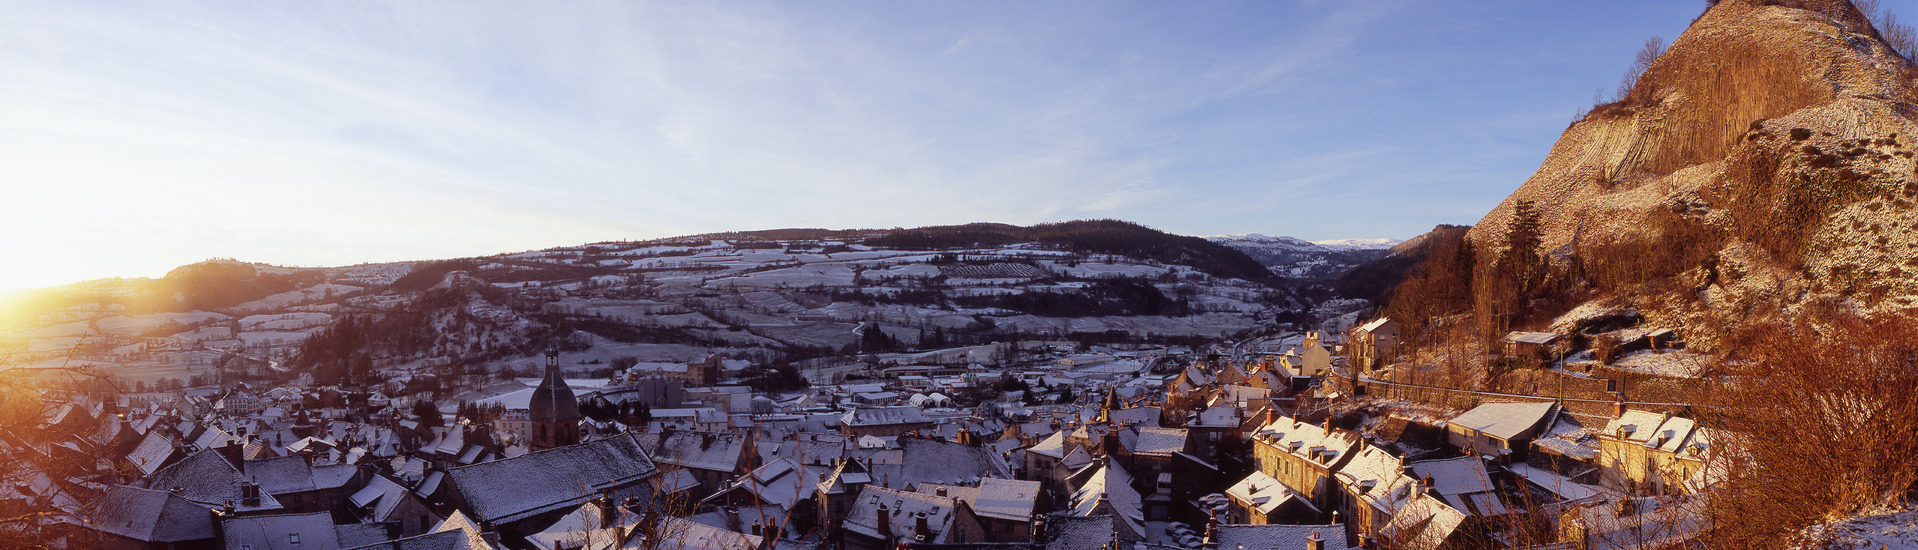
{"type": "Point", "coordinates": [1093, 270]}
{"type": "Point", "coordinates": [1588, 310]}
{"type": "Point", "coordinates": [1885, 531]}
{"type": "Point", "coordinates": [291, 298]}
{"type": "Point", "coordinates": [1677, 364]}
{"type": "Point", "coordinates": [272, 338]}
{"type": "Point", "coordinates": [67, 330]}
{"type": "Point", "coordinates": [284, 321]}
{"type": "Point", "coordinates": [375, 274]}
{"type": "Point", "coordinates": [131, 325]}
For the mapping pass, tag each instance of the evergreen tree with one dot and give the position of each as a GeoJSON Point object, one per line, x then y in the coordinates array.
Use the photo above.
{"type": "Point", "coordinates": [428, 414]}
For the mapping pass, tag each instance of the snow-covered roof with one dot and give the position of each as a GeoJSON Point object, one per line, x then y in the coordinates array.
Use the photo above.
{"type": "Point", "coordinates": [1110, 485]}
{"type": "Point", "coordinates": [1007, 499]}
{"type": "Point", "coordinates": [1423, 522]}
{"type": "Point", "coordinates": [153, 452]}
{"type": "Point", "coordinates": [713, 451]}
{"type": "Point", "coordinates": [379, 497]}
{"type": "Point", "coordinates": [281, 475]}
{"type": "Point", "coordinates": [935, 461]}
{"type": "Point", "coordinates": [1159, 441]}
{"type": "Point", "coordinates": [1053, 446]}
{"type": "Point", "coordinates": [1278, 537]}
{"type": "Point", "coordinates": [1264, 493]}
{"type": "Point", "coordinates": [1458, 480]}
{"type": "Point", "coordinates": [1375, 476]}
{"type": "Point", "coordinates": [536, 483]}
{"type": "Point", "coordinates": [1540, 338]}
{"type": "Point", "coordinates": [207, 478]}
{"type": "Point", "coordinates": [885, 416]}
{"type": "Point", "coordinates": [1320, 444]}
{"type": "Point", "coordinates": [902, 509]}
{"type": "Point", "coordinates": [313, 530]}
{"type": "Point", "coordinates": [149, 515]}
{"type": "Point", "coordinates": [1504, 420]}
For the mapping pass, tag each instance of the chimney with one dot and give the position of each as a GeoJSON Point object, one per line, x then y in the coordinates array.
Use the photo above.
{"type": "Point", "coordinates": [1618, 407]}
{"type": "Point", "coordinates": [885, 521]}
{"type": "Point", "coordinates": [249, 494]}
{"type": "Point", "coordinates": [941, 491]}
{"type": "Point", "coordinates": [1315, 541]}
{"type": "Point", "coordinates": [606, 510]}
{"type": "Point", "coordinates": [921, 529]}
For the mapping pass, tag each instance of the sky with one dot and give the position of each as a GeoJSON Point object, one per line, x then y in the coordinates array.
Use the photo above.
{"type": "Point", "coordinates": [137, 137]}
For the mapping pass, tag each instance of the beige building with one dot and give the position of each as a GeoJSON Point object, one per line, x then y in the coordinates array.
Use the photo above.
{"type": "Point", "coordinates": [1304, 457]}
{"type": "Point", "coordinates": [1652, 452]}
{"type": "Point", "coordinates": [1372, 344]}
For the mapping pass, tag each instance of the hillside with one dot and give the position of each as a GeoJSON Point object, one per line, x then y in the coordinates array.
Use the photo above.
{"type": "Point", "coordinates": [786, 294]}
{"type": "Point", "coordinates": [1763, 162]}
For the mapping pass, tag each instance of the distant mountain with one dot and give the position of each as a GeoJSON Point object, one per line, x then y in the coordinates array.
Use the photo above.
{"type": "Point", "coordinates": [1358, 244]}
{"type": "Point", "coordinates": [1296, 258]}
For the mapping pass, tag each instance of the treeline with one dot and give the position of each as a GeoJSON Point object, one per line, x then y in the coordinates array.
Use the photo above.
{"type": "Point", "coordinates": [1113, 237]}
{"type": "Point", "coordinates": [1104, 297]}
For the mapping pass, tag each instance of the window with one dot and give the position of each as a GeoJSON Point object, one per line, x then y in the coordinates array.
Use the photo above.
{"type": "Point", "coordinates": [293, 538]}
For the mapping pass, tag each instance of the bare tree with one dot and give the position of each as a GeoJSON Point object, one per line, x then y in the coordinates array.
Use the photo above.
{"type": "Point", "coordinates": [1814, 419]}
{"type": "Point", "coordinates": [1654, 47]}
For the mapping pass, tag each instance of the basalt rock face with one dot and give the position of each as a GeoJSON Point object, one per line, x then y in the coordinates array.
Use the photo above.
{"type": "Point", "coordinates": [1764, 161]}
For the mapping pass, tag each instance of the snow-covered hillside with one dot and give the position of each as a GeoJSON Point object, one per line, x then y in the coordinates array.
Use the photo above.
{"type": "Point", "coordinates": [738, 294]}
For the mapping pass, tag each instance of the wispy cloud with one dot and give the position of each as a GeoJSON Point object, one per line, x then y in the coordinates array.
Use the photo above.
{"type": "Point", "coordinates": [317, 133]}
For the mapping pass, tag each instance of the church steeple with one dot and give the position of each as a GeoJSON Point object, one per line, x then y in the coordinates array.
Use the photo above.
{"type": "Point", "coordinates": [553, 409]}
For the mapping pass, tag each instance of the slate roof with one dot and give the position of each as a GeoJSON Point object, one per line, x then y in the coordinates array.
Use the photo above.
{"type": "Point", "coordinates": [1264, 494]}
{"type": "Point", "coordinates": [1159, 441]}
{"type": "Point", "coordinates": [1007, 499]}
{"type": "Point", "coordinates": [207, 478]}
{"type": "Point", "coordinates": [935, 461]}
{"type": "Point", "coordinates": [688, 535]}
{"type": "Point", "coordinates": [1278, 537]}
{"type": "Point", "coordinates": [719, 452]}
{"type": "Point", "coordinates": [152, 453]}
{"type": "Point", "coordinates": [1142, 416]}
{"type": "Point", "coordinates": [1112, 485]}
{"type": "Point", "coordinates": [885, 416]}
{"type": "Point", "coordinates": [379, 497]}
{"type": "Point", "coordinates": [1459, 480]}
{"type": "Point", "coordinates": [1299, 439]}
{"type": "Point", "coordinates": [1390, 488]}
{"type": "Point", "coordinates": [1423, 523]}
{"type": "Point", "coordinates": [781, 482]}
{"type": "Point", "coordinates": [553, 400]}
{"type": "Point", "coordinates": [455, 533]}
{"type": "Point", "coordinates": [1053, 446]}
{"type": "Point", "coordinates": [149, 515]}
{"type": "Point", "coordinates": [281, 475]}
{"type": "Point", "coordinates": [278, 532]}
{"type": "Point", "coordinates": [1077, 533]}
{"type": "Point", "coordinates": [535, 483]}
{"type": "Point", "coordinates": [1505, 420]}
{"type": "Point", "coordinates": [901, 507]}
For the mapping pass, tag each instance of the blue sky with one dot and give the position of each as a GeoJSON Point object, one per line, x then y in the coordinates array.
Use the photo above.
{"type": "Point", "coordinates": [135, 137]}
